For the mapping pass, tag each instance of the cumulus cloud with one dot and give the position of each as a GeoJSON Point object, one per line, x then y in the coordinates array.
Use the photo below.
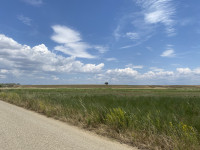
{"type": "Point", "coordinates": [197, 71]}
{"type": "Point", "coordinates": [38, 61]}
{"type": "Point", "coordinates": [92, 68]}
{"type": "Point", "coordinates": [153, 76]}
{"type": "Point", "coordinates": [122, 72]}
{"type": "Point", "coordinates": [8, 43]}
{"type": "Point", "coordinates": [188, 71]}
{"type": "Point", "coordinates": [168, 53]}
{"type": "Point", "coordinates": [157, 74]}
{"type": "Point", "coordinates": [22, 59]}
{"type": "Point", "coordinates": [71, 43]}
{"type": "Point", "coordinates": [134, 66]}
{"type": "Point", "coordinates": [130, 72]}
{"type": "Point", "coordinates": [184, 70]}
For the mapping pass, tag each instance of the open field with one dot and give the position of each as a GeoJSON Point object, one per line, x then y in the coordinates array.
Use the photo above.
{"type": "Point", "coordinates": [154, 117]}
{"type": "Point", "coordinates": [111, 86]}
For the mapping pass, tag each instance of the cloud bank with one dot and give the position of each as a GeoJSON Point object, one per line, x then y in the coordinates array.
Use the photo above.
{"type": "Point", "coordinates": [19, 59]}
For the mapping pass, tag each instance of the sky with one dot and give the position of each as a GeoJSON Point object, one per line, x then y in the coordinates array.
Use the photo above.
{"type": "Point", "coordinates": [140, 42]}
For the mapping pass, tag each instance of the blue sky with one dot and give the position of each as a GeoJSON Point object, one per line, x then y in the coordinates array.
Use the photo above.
{"type": "Point", "coordinates": [90, 42]}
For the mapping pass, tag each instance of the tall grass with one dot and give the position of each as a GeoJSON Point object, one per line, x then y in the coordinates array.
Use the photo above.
{"type": "Point", "coordinates": [154, 119]}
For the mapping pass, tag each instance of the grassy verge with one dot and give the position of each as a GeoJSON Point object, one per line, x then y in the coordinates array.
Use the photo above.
{"type": "Point", "coordinates": [154, 119]}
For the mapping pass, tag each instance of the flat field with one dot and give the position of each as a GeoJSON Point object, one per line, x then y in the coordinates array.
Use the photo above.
{"type": "Point", "coordinates": [153, 117]}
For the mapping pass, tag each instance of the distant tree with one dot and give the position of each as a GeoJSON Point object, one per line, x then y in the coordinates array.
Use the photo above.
{"type": "Point", "coordinates": [106, 83]}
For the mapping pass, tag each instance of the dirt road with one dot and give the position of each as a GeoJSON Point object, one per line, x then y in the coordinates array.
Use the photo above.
{"type": "Point", "coordinates": [21, 129]}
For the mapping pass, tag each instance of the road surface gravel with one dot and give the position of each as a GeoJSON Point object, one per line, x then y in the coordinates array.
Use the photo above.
{"type": "Point", "coordinates": [21, 129]}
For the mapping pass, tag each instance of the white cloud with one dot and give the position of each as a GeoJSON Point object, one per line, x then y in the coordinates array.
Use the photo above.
{"type": "Point", "coordinates": [157, 74]}
{"type": "Point", "coordinates": [159, 11]}
{"type": "Point", "coordinates": [63, 34]}
{"type": "Point", "coordinates": [197, 71]}
{"type": "Point", "coordinates": [75, 49]}
{"type": "Point", "coordinates": [184, 70]}
{"type": "Point", "coordinates": [111, 59]}
{"type": "Point", "coordinates": [122, 72]}
{"type": "Point", "coordinates": [34, 2]}
{"type": "Point", "coordinates": [54, 78]}
{"type": "Point", "coordinates": [72, 43]}
{"type": "Point", "coordinates": [25, 20]}
{"type": "Point", "coordinates": [138, 30]}
{"type": "Point", "coordinates": [188, 71]}
{"type": "Point", "coordinates": [131, 76]}
{"type": "Point", "coordinates": [3, 71]}
{"type": "Point", "coordinates": [153, 76]}
{"type": "Point", "coordinates": [127, 46]}
{"type": "Point", "coordinates": [22, 59]}
{"type": "Point", "coordinates": [132, 35]}
{"type": "Point", "coordinates": [168, 53]}
{"type": "Point", "coordinates": [156, 69]}
{"type": "Point", "coordinates": [101, 49]}
{"type": "Point", "coordinates": [8, 43]}
{"type": "Point", "coordinates": [92, 68]}
{"type": "Point", "coordinates": [134, 66]}
{"type": "Point", "coordinates": [143, 24]}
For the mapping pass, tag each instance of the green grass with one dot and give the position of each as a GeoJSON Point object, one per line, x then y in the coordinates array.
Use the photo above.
{"type": "Point", "coordinates": [150, 118]}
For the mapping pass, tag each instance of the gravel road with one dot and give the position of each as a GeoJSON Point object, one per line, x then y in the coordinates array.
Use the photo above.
{"type": "Point", "coordinates": [22, 129]}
